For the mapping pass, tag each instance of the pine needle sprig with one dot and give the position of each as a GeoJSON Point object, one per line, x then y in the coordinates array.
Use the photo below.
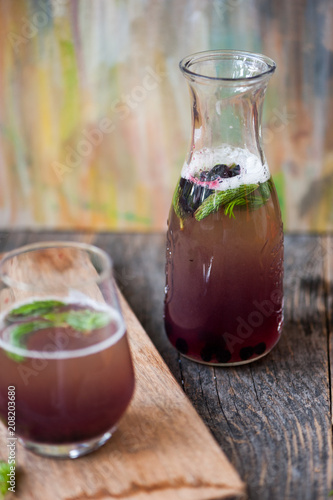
{"type": "Point", "coordinates": [176, 205]}
{"type": "Point", "coordinates": [229, 209]}
{"type": "Point", "coordinates": [229, 197]}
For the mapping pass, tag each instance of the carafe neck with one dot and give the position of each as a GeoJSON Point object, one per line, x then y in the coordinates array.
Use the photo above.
{"type": "Point", "coordinates": [219, 119]}
{"type": "Point", "coordinates": [227, 90]}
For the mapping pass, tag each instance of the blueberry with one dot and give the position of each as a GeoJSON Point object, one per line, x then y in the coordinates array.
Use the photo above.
{"type": "Point", "coordinates": [234, 170]}
{"type": "Point", "coordinates": [192, 195]}
{"type": "Point", "coordinates": [207, 353]}
{"type": "Point", "coordinates": [246, 352]}
{"type": "Point", "coordinates": [223, 356]}
{"type": "Point", "coordinates": [221, 351]}
{"type": "Point", "coordinates": [181, 346]}
{"type": "Point", "coordinates": [220, 170]}
{"type": "Point", "coordinates": [204, 175]}
{"type": "Point", "coordinates": [260, 348]}
{"type": "Point", "coordinates": [214, 348]}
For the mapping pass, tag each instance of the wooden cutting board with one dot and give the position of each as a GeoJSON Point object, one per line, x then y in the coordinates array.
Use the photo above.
{"type": "Point", "coordinates": [160, 451]}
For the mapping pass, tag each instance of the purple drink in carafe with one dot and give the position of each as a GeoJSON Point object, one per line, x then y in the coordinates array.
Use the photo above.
{"type": "Point", "coordinates": [224, 271]}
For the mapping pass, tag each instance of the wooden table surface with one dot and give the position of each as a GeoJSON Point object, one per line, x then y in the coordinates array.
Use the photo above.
{"type": "Point", "coordinates": [272, 418]}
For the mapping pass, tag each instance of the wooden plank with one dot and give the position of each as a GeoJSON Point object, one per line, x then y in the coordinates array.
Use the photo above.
{"type": "Point", "coordinates": [162, 450]}
{"type": "Point", "coordinates": [328, 283]}
{"type": "Point", "coordinates": [276, 412]}
{"type": "Point", "coordinates": [272, 418]}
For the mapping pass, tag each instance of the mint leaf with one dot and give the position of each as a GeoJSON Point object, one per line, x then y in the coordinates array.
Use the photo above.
{"type": "Point", "coordinates": [83, 320]}
{"type": "Point", "coordinates": [37, 308]}
{"type": "Point", "coordinates": [4, 470]}
{"type": "Point", "coordinates": [87, 320]}
{"type": "Point", "coordinates": [19, 331]}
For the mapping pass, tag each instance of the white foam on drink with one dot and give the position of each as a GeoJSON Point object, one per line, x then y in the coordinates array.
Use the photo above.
{"type": "Point", "coordinates": [252, 171]}
{"type": "Point", "coordinates": [80, 300]}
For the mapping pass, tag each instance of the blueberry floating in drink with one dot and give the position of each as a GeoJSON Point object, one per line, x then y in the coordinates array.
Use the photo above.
{"type": "Point", "coordinates": [181, 345]}
{"type": "Point", "coordinates": [222, 171]}
{"type": "Point", "coordinates": [246, 352]}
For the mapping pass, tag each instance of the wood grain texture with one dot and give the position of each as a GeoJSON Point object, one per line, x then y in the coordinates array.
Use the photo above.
{"type": "Point", "coordinates": [161, 450]}
{"type": "Point", "coordinates": [273, 417]}
{"type": "Point", "coordinates": [328, 270]}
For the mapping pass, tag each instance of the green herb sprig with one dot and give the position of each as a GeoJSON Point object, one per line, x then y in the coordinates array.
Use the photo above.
{"type": "Point", "coordinates": [17, 333]}
{"type": "Point", "coordinates": [228, 198]}
{"type": "Point", "coordinates": [37, 308]}
{"type": "Point", "coordinates": [48, 314]}
{"type": "Point", "coordinates": [176, 205]}
{"type": "Point", "coordinates": [4, 470]}
{"type": "Point", "coordinates": [83, 320]}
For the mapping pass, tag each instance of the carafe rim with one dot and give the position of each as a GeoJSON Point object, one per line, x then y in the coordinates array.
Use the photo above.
{"type": "Point", "coordinates": [261, 65]}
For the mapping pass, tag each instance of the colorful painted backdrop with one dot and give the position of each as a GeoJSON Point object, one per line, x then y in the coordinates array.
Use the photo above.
{"type": "Point", "coordinates": [95, 116]}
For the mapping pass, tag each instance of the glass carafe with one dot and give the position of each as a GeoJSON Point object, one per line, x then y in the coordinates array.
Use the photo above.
{"type": "Point", "coordinates": [224, 269]}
